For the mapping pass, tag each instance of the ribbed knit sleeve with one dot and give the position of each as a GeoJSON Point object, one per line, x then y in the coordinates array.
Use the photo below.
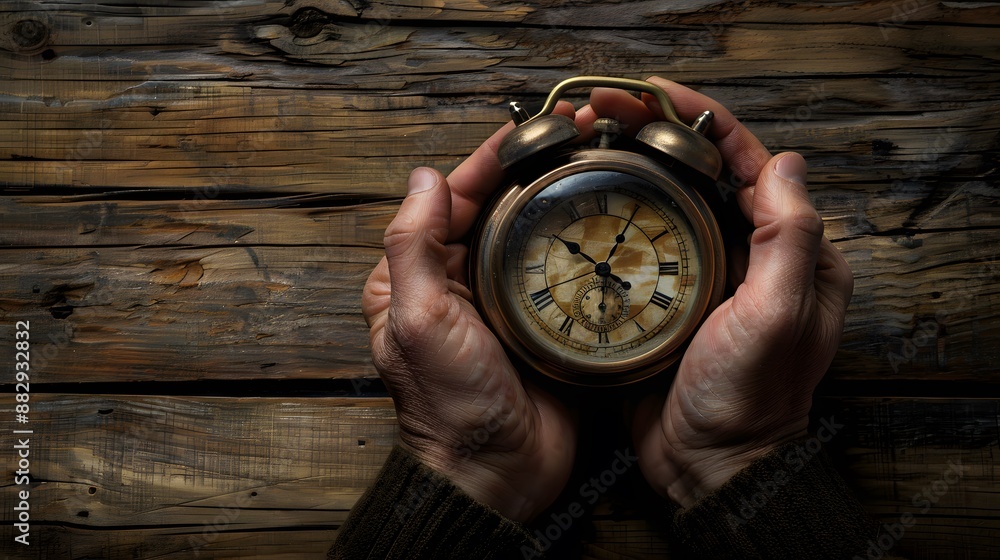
{"type": "Point", "coordinates": [412, 512]}
{"type": "Point", "coordinates": [791, 504]}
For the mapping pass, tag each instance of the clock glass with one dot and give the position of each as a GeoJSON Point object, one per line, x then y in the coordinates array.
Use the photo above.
{"type": "Point", "coordinates": [602, 267]}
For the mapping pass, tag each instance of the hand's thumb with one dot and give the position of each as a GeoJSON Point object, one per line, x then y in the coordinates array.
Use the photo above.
{"type": "Point", "coordinates": [414, 241]}
{"type": "Point", "coordinates": [786, 241]}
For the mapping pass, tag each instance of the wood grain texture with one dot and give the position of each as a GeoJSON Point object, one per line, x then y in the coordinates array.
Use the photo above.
{"type": "Point", "coordinates": [194, 193]}
{"type": "Point", "coordinates": [144, 313]}
{"type": "Point", "coordinates": [241, 291]}
{"type": "Point", "coordinates": [125, 477]}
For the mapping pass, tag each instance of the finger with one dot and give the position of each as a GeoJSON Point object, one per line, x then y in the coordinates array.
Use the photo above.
{"type": "Point", "coordinates": [738, 257]}
{"type": "Point", "coordinates": [630, 112]}
{"type": "Point", "coordinates": [474, 180]}
{"type": "Point", "coordinates": [740, 149]}
{"type": "Point", "coordinates": [556, 414]}
{"type": "Point", "coordinates": [477, 178]}
{"type": "Point", "coordinates": [456, 269]}
{"type": "Point", "coordinates": [647, 415]}
{"type": "Point", "coordinates": [834, 280]}
{"type": "Point", "coordinates": [784, 248]}
{"type": "Point", "coordinates": [375, 296]}
{"type": "Point", "coordinates": [647, 436]}
{"type": "Point", "coordinates": [415, 241]}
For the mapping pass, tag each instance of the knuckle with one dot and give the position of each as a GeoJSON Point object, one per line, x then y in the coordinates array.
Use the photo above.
{"type": "Point", "coordinates": [398, 234]}
{"type": "Point", "coordinates": [759, 313]}
{"type": "Point", "coordinates": [805, 218]}
{"type": "Point", "coordinates": [846, 281]}
{"type": "Point", "coordinates": [376, 292]}
{"type": "Point", "coordinates": [414, 327]}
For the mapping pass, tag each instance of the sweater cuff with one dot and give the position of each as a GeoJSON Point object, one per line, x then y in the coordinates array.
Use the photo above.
{"type": "Point", "coordinates": [790, 503]}
{"type": "Point", "coordinates": [412, 511]}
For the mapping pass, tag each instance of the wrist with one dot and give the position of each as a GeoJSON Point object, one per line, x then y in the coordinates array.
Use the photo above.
{"type": "Point", "coordinates": [481, 478]}
{"type": "Point", "coordinates": [699, 471]}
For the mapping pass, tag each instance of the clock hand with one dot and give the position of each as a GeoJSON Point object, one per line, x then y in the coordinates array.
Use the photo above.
{"type": "Point", "coordinates": [604, 289]}
{"type": "Point", "coordinates": [620, 238]}
{"type": "Point", "coordinates": [588, 273]}
{"type": "Point", "coordinates": [574, 249]}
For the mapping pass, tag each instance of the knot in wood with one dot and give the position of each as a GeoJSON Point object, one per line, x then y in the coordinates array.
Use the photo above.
{"type": "Point", "coordinates": [308, 22]}
{"type": "Point", "coordinates": [29, 34]}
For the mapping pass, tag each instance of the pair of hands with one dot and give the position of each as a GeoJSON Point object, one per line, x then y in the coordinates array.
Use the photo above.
{"type": "Point", "coordinates": [743, 387]}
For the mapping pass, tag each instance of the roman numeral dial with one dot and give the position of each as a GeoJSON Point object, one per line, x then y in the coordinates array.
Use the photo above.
{"type": "Point", "coordinates": [591, 269]}
{"type": "Point", "coordinates": [604, 273]}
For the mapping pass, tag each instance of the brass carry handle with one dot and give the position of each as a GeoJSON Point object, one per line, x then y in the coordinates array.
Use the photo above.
{"type": "Point", "coordinates": [602, 81]}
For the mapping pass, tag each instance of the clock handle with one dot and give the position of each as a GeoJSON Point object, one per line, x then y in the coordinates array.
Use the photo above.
{"type": "Point", "coordinates": [620, 83]}
{"type": "Point", "coordinates": [669, 136]}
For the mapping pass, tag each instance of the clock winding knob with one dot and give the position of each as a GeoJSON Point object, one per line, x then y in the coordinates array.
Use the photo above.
{"type": "Point", "coordinates": [609, 129]}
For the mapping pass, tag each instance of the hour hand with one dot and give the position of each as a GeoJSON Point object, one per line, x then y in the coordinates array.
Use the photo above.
{"type": "Point", "coordinates": [574, 249]}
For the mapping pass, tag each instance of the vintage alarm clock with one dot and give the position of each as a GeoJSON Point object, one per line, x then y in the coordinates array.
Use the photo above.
{"type": "Point", "coordinates": [597, 264]}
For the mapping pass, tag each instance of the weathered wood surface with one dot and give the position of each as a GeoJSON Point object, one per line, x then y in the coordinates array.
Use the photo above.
{"type": "Point", "coordinates": [126, 477]}
{"type": "Point", "coordinates": [232, 307]}
{"type": "Point", "coordinates": [195, 193]}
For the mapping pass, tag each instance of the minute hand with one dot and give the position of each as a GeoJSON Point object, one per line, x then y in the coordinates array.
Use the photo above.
{"type": "Point", "coordinates": [620, 238]}
{"type": "Point", "coordinates": [574, 249]}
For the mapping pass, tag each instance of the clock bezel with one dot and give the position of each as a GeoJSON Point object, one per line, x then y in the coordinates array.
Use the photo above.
{"type": "Point", "coordinates": [487, 275]}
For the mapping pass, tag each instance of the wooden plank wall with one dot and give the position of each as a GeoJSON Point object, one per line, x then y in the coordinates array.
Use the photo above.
{"type": "Point", "coordinates": [194, 193]}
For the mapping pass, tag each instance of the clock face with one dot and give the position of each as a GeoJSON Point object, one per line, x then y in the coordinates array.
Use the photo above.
{"type": "Point", "coordinates": [602, 268]}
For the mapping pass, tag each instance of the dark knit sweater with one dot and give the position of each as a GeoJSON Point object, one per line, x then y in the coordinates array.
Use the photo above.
{"type": "Point", "coordinates": [790, 504]}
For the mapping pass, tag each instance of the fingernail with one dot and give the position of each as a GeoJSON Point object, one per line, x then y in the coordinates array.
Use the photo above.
{"type": "Point", "coordinates": [791, 167]}
{"type": "Point", "coordinates": [421, 179]}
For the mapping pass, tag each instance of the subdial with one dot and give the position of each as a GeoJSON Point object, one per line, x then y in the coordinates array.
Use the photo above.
{"type": "Point", "coordinates": [601, 305]}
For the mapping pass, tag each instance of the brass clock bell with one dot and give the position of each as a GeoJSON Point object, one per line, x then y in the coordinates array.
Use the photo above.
{"type": "Point", "coordinates": [595, 265]}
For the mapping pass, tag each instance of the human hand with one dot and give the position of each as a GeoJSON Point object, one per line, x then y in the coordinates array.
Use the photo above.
{"type": "Point", "coordinates": [462, 407]}
{"type": "Point", "coordinates": [745, 383]}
